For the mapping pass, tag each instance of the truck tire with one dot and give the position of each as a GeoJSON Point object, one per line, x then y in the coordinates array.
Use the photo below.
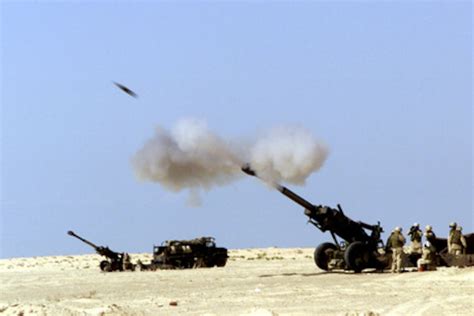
{"type": "Point", "coordinates": [220, 261]}
{"type": "Point", "coordinates": [357, 256]}
{"type": "Point", "coordinates": [323, 253]}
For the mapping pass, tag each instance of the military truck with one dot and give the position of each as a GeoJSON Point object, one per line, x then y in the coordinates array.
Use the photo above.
{"type": "Point", "coordinates": [187, 254]}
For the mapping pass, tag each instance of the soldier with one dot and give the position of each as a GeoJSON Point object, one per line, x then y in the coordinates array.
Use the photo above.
{"type": "Point", "coordinates": [452, 231]}
{"type": "Point", "coordinates": [396, 242]}
{"type": "Point", "coordinates": [430, 235]}
{"type": "Point", "coordinates": [456, 241]}
{"type": "Point", "coordinates": [428, 258]}
{"type": "Point", "coordinates": [126, 263]}
{"type": "Point", "coordinates": [415, 234]}
{"type": "Point", "coordinates": [463, 240]}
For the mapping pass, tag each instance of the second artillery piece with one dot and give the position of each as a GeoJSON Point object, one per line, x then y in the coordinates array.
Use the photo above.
{"type": "Point", "coordinates": [115, 261]}
{"type": "Point", "coordinates": [359, 249]}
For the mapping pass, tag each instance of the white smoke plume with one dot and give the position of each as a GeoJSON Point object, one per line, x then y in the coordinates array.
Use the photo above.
{"type": "Point", "coordinates": [287, 154]}
{"type": "Point", "coordinates": [190, 156]}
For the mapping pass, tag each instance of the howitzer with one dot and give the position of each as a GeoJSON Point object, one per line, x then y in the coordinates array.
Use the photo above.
{"type": "Point", "coordinates": [359, 249]}
{"type": "Point", "coordinates": [115, 260]}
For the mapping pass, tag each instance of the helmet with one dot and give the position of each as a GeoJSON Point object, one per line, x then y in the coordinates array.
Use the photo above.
{"type": "Point", "coordinates": [459, 228]}
{"type": "Point", "coordinates": [398, 229]}
{"type": "Point", "coordinates": [416, 225]}
{"type": "Point", "coordinates": [428, 228]}
{"type": "Point", "coordinates": [453, 224]}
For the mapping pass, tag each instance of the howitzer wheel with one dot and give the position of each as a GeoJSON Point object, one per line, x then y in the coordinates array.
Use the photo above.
{"type": "Point", "coordinates": [106, 266]}
{"type": "Point", "coordinates": [357, 256]}
{"type": "Point", "coordinates": [323, 254]}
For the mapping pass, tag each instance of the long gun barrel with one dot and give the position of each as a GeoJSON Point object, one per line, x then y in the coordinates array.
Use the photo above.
{"type": "Point", "coordinates": [324, 217]}
{"type": "Point", "coordinates": [284, 190]}
{"type": "Point", "coordinates": [295, 197]}
{"type": "Point", "coordinates": [103, 251]}
{"type": "Point", "coordinates": [71, 233]}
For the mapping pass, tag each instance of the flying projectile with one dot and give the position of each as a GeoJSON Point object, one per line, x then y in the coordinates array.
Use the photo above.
{"type": "Point", "coordinates": [126, 90]}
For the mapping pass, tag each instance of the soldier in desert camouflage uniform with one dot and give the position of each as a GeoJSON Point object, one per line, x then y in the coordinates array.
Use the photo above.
{"type": "Point", "coordinates": [430, 235]}
{"type": "Point", "coordinates": [127, 263]}
{"type": "Point", "coordinates": [428, 258]}
{"type": "Point", "coordinates": [395, 242]}
{"type": "Point", "coordinates": [456, 241]}
{"type": "Point", "coordinates": [415, 234]}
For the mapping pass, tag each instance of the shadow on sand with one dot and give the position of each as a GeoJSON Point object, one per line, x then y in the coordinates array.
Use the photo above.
{"type": "Point", "coordinates": [342, 272]}
{"type": "Point", "coordinates": [298, 274]}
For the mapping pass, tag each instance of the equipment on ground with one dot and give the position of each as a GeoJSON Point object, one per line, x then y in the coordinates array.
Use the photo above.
{"type": "Point", "coordinates": [115, 261]}
{"type": "Point", "coordinates": [446, 259]}
{"type": "Point", "coordinates": [185, 254]}
{"type": "Point", "coordinates": [361, 245]}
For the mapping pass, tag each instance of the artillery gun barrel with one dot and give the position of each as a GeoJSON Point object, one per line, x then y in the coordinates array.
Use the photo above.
{"type": "Point", "coordinates": [294, 197]}
{"type": "Point", "coordinates": [71, 233]}
{"type": "Point", "coordinates": [284, 190]}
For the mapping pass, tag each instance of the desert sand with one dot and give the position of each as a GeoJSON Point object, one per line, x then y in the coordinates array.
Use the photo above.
{"type": "Point", "coordinates": [269, 281]}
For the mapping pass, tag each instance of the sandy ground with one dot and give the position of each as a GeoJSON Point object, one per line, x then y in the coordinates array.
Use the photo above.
{"type": "Point", "coordinates": [269, 281]}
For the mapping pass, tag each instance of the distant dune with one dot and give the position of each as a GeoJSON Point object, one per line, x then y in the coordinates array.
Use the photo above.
{"type": "Point", "coordinates": [268, 281]}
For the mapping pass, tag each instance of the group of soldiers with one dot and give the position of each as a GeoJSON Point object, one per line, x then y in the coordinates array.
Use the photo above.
{"type": "Point", "coordinates": [456, 245]}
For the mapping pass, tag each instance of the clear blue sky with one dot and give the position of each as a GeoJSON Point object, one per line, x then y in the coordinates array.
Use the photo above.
{"type": "Point", "coordinates": [388, 86]}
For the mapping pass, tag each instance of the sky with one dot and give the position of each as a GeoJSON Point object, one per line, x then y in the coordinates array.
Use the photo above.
{"type": "Point", "coordinates": [386, 85]}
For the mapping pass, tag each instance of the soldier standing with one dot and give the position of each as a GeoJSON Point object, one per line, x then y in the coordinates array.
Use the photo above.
{"type": "Point", "coordinates": [463, 240]}
{"type": "Point", "coordinates": [396, 242]}
{"type": "Point", "coordinates": [452, 231]}
{"type": "Point", "coordinates": [126, 264]}
{"type": "Point", "coordinates": [415, 234]}
{"type": "Point", "coordinates": [430, 235]}
{"type": "Point", "coordinates": [456, 241]}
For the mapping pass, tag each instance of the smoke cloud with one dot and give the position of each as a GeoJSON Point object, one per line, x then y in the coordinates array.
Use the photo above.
{"type": "Point", "coordinates": [287, 154]}
{"type": "Point", "coordinates": [192, 157]}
